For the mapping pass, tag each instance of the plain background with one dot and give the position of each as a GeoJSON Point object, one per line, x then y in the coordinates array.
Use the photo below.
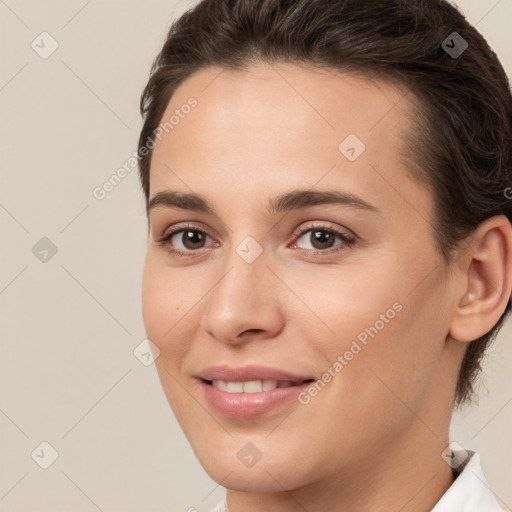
{"type": "Point", "coordinates": [69, 326]}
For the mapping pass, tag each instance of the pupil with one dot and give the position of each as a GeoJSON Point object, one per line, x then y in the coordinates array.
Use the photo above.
{"type": "Point", "coordinates": [192, 239]}
{"type": "Point", "coordinates": [321, 239]}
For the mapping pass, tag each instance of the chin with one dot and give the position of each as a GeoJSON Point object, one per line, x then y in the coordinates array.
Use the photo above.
{"type": "Point", "coordinates": [230, 466]}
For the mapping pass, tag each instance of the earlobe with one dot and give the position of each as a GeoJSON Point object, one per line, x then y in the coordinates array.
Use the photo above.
{"type": "Point", "coordinates": [486, 280]}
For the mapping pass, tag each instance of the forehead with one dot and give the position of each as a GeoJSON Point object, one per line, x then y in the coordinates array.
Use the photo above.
{"type": "Point", "coordinates": [270, 125]}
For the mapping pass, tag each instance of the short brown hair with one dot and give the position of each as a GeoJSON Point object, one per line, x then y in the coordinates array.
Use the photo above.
{"type": "Point", "coordinates": [463, 151]}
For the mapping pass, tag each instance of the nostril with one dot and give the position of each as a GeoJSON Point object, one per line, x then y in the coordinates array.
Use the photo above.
{"type": "Point", "coordinates": [254, 331]}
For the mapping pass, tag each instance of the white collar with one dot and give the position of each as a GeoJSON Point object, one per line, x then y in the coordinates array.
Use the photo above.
{"type": "Point", "coordinates": [468, 493]}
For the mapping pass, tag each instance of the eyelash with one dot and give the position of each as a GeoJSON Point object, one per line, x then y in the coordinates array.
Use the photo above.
{"type": "Point", "coordinates": [347, 241]}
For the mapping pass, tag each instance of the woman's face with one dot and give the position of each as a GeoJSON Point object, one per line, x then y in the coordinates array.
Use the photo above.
{"type": "Point", "coordinates": [328, 293]}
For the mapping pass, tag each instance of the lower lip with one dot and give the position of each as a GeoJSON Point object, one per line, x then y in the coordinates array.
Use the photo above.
{"type": "Point", "coordinates": [248, 405]}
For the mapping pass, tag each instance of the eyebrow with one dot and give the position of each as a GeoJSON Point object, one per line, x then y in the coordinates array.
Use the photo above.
{"type": "Point", "coordinates": [293, 200]}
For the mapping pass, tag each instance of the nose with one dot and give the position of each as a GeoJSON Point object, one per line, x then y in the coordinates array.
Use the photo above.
{"type": "Point", "coordinates": [244, 303]}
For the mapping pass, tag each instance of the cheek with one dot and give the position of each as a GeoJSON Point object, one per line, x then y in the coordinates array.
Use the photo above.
{"type": "Point", "coordinates": [163, 308]}
{"type": "Point", "coordinates": [400, 353]}
{"type": "Point", "coordinates": [384, 333]}
{"type": "Point", "coordinates": [347, 302]}
{"type": "Point", "coordinates": [154, 302]}
{"type": "Point", "coordinates": [163, 304]}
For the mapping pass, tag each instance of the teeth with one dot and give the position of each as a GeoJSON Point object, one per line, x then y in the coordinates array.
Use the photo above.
{"type": "Point", "coordinates": [269, 385]}
{"type": "Point", "coordinates": [235, 387]}
{"type": "Point", "coordinates": [251, 386]}
{"type": "Point", "coordinates": [221, 384]}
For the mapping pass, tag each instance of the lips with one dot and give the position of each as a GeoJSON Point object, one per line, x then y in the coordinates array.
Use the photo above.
{"type": "Point", "coordinates": [250, 373]}
{"type": "Point", "coordinates": [249, 391]}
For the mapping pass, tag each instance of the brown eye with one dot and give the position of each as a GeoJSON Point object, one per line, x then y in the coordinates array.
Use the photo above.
{"type": "Point", "coordinates": [322, 239]}
{"type": "Point", "coordinates": [188, 239]}
{"type": "Point", "coordinates": [319, 239]}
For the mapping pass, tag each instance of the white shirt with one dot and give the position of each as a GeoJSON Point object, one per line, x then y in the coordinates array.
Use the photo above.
{"type": "Point", "coordinates": [468, 493]}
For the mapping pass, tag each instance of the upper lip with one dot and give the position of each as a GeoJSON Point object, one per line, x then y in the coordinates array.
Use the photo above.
{"type": "Point", "coordinates": [248, 373]}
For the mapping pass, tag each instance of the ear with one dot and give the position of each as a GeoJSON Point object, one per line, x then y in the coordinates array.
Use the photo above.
{"type": "Point", "coordinates": [485, 280]}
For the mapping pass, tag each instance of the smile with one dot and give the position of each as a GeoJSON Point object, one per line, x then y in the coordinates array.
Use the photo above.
{"type": "Point", "coordinates": [252, 386]}
{"type": "Point", "coordinates": [249, 391]}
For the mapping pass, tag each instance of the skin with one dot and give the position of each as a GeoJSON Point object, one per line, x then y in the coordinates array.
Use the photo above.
{"type": "Point", "coordinates": [372, 438]}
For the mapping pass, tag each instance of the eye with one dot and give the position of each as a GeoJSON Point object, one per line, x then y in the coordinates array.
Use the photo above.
{"type": "Point", "coordinates": [185, 241]}
{"type": "Point", "coordinates": [188, 240]}
{"type": "Point", "coordinates": [322, 239]}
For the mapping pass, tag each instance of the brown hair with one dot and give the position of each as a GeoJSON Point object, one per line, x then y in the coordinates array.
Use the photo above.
{"type": "Point", "coordinates": [462, 144]}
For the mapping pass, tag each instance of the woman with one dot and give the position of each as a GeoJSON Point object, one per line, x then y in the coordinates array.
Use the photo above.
{"type": "Point", "coordinates": [329, 246]}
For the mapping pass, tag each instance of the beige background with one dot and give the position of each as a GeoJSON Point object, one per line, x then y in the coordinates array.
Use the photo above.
{"type": "Point", "coordinates": [68, 327]}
